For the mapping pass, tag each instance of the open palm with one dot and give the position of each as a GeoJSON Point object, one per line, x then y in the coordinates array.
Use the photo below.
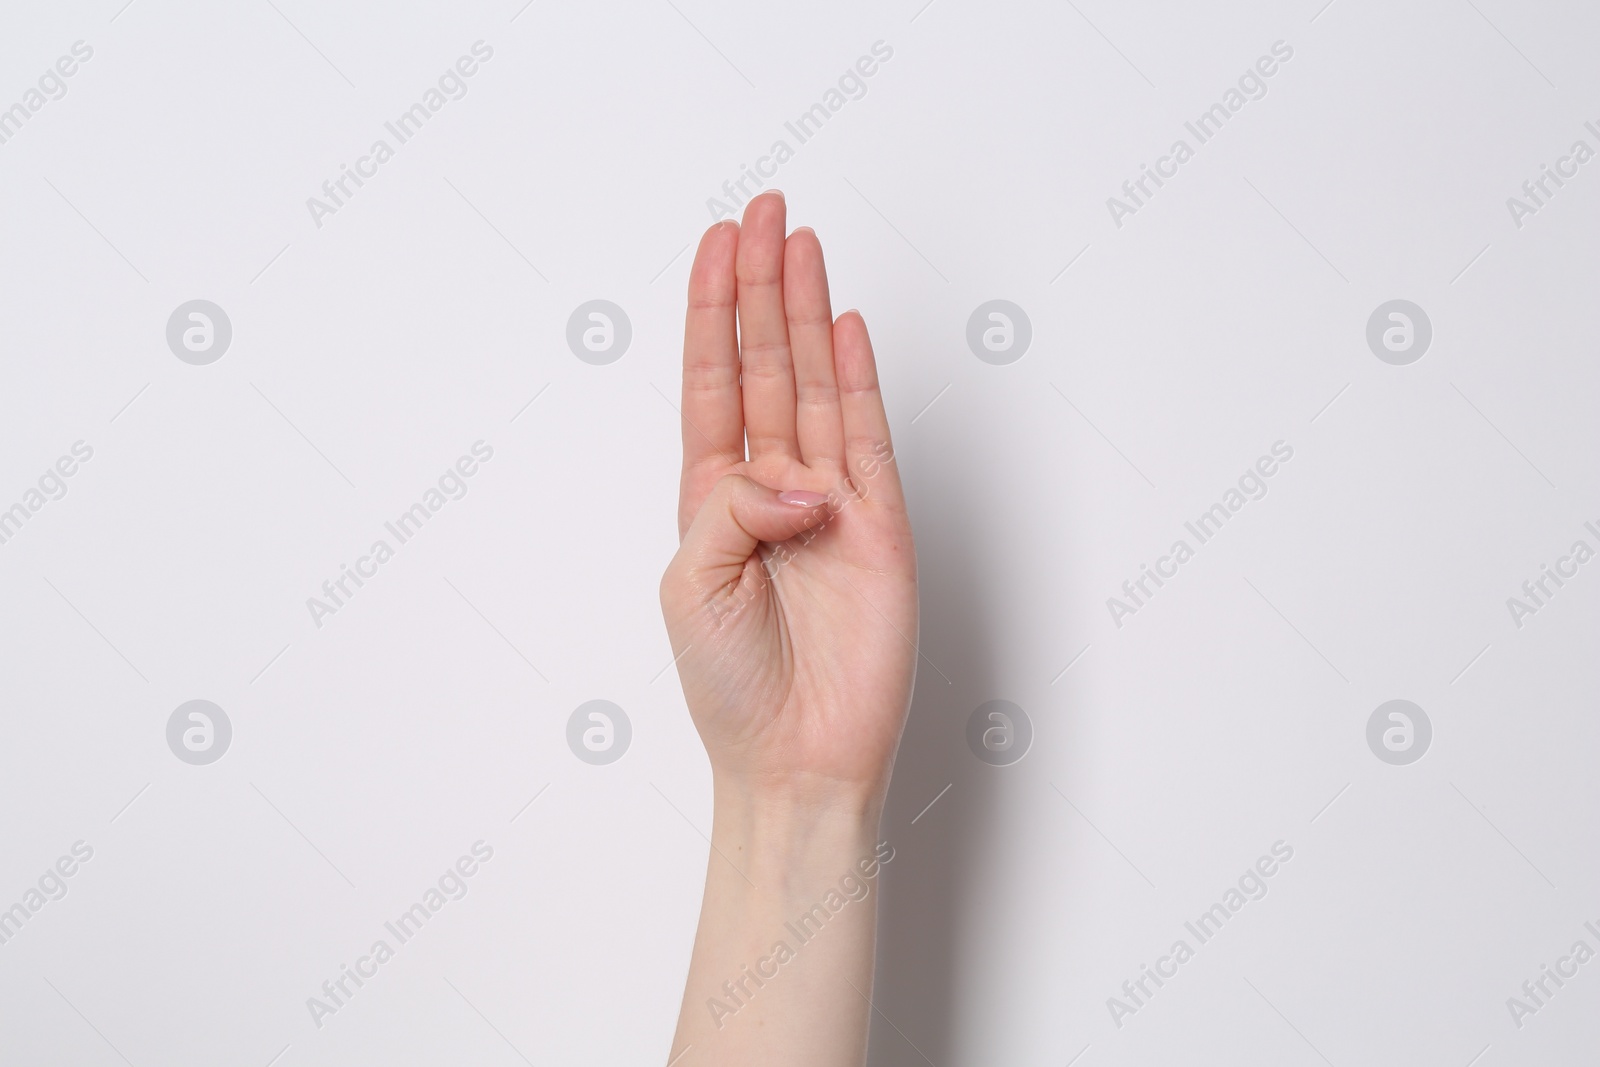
{"type": "Point", "coordinates": [792, 601]}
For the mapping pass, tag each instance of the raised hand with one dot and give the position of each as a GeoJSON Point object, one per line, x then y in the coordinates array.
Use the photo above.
{"type": "Point", "coordinates": [792, 608]}
{"type": "Point", "coordinates": [792, 600]}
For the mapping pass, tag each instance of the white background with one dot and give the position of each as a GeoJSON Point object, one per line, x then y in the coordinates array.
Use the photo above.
{"type": "Point", "coordinates": [368, 354]}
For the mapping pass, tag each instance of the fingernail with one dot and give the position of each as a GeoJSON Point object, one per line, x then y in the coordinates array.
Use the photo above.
{"type": "Point", "coordinates": [774, 192]}
{"type": "Point", "coordinates": [802, 499]}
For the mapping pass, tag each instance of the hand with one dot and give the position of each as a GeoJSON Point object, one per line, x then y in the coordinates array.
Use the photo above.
{"type": "Point", "coordinates": [792, 600]}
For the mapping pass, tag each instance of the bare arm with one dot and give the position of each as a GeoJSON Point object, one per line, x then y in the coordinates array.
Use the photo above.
{"type": "Point", "coordinates": [792, 605]}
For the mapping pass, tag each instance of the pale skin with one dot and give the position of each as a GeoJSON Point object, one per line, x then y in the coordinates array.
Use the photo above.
{"type": "Point", "coordinates": [792, 606]}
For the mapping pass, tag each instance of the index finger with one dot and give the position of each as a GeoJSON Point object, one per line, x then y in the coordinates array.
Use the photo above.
{"type": "Point", "coordinates": [713, 411]}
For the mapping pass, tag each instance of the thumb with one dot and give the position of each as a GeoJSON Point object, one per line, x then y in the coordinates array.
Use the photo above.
{"type": "Point", "coordinates": [733, 520]}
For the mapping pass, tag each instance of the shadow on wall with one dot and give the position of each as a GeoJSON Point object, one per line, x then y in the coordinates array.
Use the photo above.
{"type": "Point", "coordinates": [931, 904]}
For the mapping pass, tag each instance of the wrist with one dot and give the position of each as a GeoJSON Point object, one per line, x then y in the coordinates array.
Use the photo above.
{"type": "Point", "coordinates": [789, 840]}
{"type": "Point", "coordinates": [797, 800]}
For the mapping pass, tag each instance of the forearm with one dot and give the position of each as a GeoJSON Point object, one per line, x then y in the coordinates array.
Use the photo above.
{"type": "Point", "coordinates": [783, 959]}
